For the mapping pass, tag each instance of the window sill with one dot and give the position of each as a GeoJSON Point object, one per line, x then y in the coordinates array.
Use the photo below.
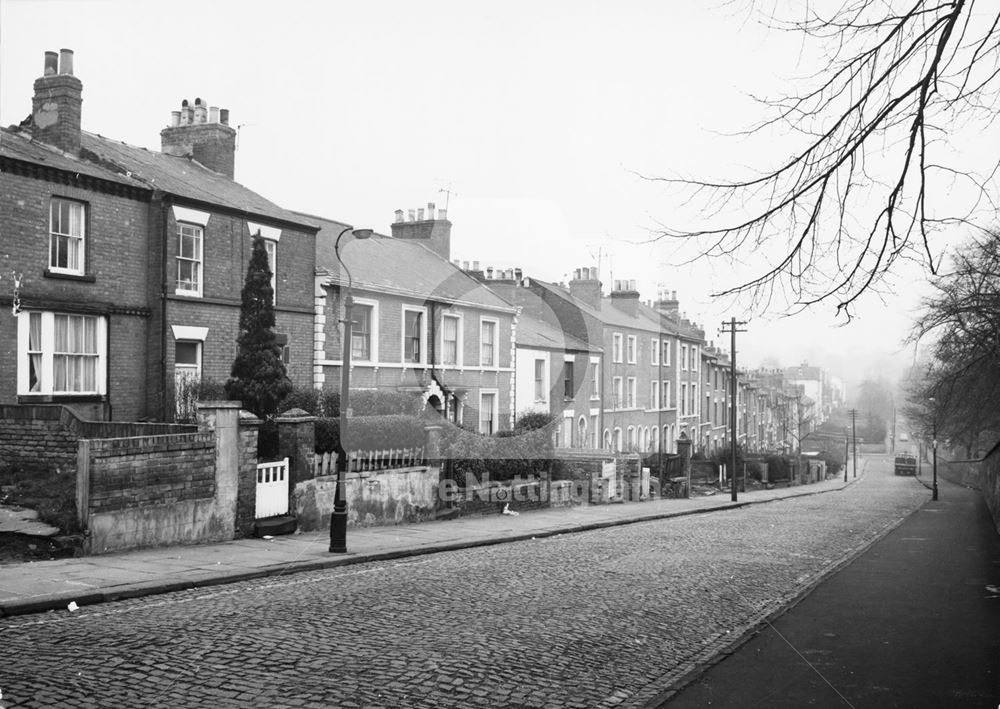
{"type": "Point", "coordinates": [82, 278]}
{"type": "Point", "coordinates": [58, 398]}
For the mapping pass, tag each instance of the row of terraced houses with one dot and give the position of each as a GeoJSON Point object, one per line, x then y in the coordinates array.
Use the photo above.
{"type": "Point", "coordinates": [120, 277]}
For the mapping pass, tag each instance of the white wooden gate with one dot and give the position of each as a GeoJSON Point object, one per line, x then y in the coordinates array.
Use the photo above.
{"type": "Point", "coordinates": [272, 489]}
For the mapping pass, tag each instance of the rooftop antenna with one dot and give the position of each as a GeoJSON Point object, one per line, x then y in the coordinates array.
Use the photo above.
{"type": "Point", "coordinates": [238, 129]}
{"type": "Point", "coordinates": [447, 195]}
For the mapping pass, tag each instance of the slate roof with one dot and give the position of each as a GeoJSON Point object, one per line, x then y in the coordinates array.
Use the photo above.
{"type": "Point", "coordinates": [402, 267]}
{"type": "Point", "coordinates": [126, 164]}
{"type": "Point", "coordinates": [644, 319]}
{"type": "Point", "coordinates": [532, 332]}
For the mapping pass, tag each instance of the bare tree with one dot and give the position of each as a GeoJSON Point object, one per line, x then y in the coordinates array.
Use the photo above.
{"type": "Point", "coordinates": [961, 320]}
{"type": "Point", "coordinates": [871, 176]}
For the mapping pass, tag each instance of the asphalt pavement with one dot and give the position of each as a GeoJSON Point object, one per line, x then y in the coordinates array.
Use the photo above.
{"type": "Point", "coordinates": [913, 622]}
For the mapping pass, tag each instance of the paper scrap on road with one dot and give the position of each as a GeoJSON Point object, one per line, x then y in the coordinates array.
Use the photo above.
{"type": "Point", "coordinates": [72, 606]}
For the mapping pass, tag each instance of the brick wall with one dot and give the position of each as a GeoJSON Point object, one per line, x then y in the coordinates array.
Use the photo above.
{"type": "Point", "coordinates": [131, 473]}
{"type": "Point", "coordinates": [48, 434]}
{"type": "Point", "coordinates": [36, 436]}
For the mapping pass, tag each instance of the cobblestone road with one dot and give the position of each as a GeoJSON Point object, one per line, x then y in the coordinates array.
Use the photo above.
{"type": "Point", "coordinates": [604, 618]}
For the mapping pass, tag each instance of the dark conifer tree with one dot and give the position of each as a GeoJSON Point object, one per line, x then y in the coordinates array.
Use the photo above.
{"type": "Point", "coordinates": [258, 377]}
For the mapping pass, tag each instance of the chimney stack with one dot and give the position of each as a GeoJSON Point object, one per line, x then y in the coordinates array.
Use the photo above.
{"type": "Point", "coordinates": [435, 233]}
{"type": "Point", "coordinates": [625, 297]}
{"type": "Point", "coordinates": [586, 287]}
{"type": "Point", "coordinates": [57, 103]}
{"type": "Point", "coordinates": [203, 134]}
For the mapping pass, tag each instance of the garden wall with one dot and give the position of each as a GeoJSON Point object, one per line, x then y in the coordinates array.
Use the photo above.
{"type": "Point", "coordinates": [47, 434]}
{"type": "Point", "coordinates": [147, 491]}
{"type": "Point", "coordinates": [989, 482]}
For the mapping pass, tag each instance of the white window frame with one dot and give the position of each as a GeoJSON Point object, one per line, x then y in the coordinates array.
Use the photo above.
{"type": "Point", "coordinates": [540, 383]}
{"type": "Point", "coordinates": [571, 361]}
{"type": "Point", "coordinates": [373, 345]}
{"type": "Point", "coordinates": [617, 347]}
{"type": "Point", "coordinates": [654, 352]}
{"type": "Point", "coordinates": [632, 349]}
{"type": "Point", "coordinates": [630, 393]}
{"type": "Point", "coordinates": [595, 378]}
{"type": "Point", "coordinates": [459, 338]}
{"type": "Point", "coordinates": [47, 351]}
{"type": "Point", "coordinates": [684, 358]}
{"type": "Point", "coordinates": [495, 410]}
{"type": "Point", "coordinates": [80, 239]}
{"type": "Point", "coordinates": [665, 394]}
{"type": "Point", "coordinates": [423, 334]}
{"type": "Point", "coordinates": [654, 394]}
{"type": "Point", "coordinates": [199, 260]}
{"type": "Point", "coordinates": [483, 321]}
{"type": "Point", "coordinates": [683, 402]}
{"type": "Point", "coordinates": [618, 392]}
{"type": "Point", "coordinates": [271, 247]}
{"type": "Point", "coordinates": [618, 442]}
{"type": "Point", "coordinates": [668, 346]}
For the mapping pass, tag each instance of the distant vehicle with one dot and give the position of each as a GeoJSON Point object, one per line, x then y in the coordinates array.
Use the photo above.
{"type": "Point", "coordinates": [904, 437]}
{"type": "Point", "coordinates": [906, 465]}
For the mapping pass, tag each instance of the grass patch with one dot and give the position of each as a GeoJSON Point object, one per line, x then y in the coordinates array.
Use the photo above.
{"type": "Point", "coordinates": [48, 491]}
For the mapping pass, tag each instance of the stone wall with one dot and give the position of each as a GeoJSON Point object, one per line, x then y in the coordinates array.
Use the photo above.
{"type": "Point", "coordinates": [989, 483]}
{"type": "Point", "coordinates": [373, 498]}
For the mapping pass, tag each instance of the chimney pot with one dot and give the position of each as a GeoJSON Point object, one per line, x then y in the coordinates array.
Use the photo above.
{"type": "Point", "coordinates": [631, 285]}
{"type": "Point", "coordinates": [200, 112]}
{"type": "Point", "coordinates": [412, 215]}
{"type": "Point", "coordinates": [420, 214]}
{"type": "Point", "coordinates": [197, 102]}
{"type": "Point", "coordinates": [224, 116]}
{"type": "Point", "coordinates": [517, 274]}
{"type": "Point", "coordinates": [175, 119]}
{"type": "Point", "coordinates": [593, 273]}
{"type": "Point", "coordinates": [443, 214]}
{"type": "Point", "coordinates": [51, 64]}
{"type": "Point", "coordinates": [66, 61]}
{"type": "Point", "coordinates": [399, 215]}
{"type": "Point", "coordinates": [465, 265]}
{"type": "Point", "coordinates": [430, 211]}
{"type": "Point", "coordinates": [184, 103]}
{"type": "Point", "coordinates": [213, 114]}
{"type": "Point", "coordinates": [489, 272]}
{"type": "Point", "coordinates": [475, 265]}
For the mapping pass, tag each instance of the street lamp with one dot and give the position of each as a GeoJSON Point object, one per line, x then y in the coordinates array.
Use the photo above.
{"type": "Point", "coordinates": [934, 488]}
{"type": "Point", "coordinates": [338, 518]}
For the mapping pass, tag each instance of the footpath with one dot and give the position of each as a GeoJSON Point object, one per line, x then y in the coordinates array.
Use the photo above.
{"type": "Point", "coordinates": [38, 586]}
{"type": "Point", "coordinates": [912, 622]}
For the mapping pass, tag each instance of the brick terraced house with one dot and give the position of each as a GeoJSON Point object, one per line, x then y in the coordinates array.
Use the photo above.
{"type": "Point", "coordinates": [421, 324]}
{"type": "Point", "coordinates": [121, 267]}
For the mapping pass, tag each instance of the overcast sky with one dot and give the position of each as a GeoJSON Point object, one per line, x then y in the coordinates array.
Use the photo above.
{"type": "Point", "coordinates": [537, 116]}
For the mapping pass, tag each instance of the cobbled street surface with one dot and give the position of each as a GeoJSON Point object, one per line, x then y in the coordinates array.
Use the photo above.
{"type": "Point", "coordinates": [605, 618]}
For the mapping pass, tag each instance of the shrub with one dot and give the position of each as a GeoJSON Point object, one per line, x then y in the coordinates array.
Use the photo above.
{"type": "Point", "coordinates": [383, 402]}
{"type": "Point", "coordinates": [532, 421]}
{"type": "Point", "coordinates": [503, 457]}
{"type": "Point", "coordinates": [371, 433]}
{"type": "Point", "coordinates": [301, 398]}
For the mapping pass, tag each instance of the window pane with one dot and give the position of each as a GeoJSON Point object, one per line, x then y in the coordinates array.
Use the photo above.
{"type": "Point", "coordinates": [412, 335]}
{"type": "Point", "coordinates": [186, 353]}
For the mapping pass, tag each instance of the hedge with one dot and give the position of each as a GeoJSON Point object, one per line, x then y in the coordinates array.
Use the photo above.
{"type": "Point", "coordinates": [501, 457]}
{"type": "Point", "coordinates": [371, 433]}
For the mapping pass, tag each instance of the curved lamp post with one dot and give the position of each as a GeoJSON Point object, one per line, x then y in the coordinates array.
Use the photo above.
{"type": "Point", "coordinates": [338, 519]}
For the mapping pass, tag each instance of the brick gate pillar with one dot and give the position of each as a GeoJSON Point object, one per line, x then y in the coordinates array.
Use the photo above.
{"type": "Point", "coordinates": [684, 445]}
{"type": "Point", "coordinates": [297, 442]}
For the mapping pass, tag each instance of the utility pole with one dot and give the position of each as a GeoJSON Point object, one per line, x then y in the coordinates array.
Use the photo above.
{"type": "Point", "coordinates": [854, 437]}
{"type": "Point", "coordinates": [731, 327]}
{"type": "Point", "coordinates": [846, 443]}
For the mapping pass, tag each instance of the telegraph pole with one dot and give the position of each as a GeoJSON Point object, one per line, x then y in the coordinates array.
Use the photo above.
{"type": "Point", "coordinates": [731, 327]}
{"type": "Point", "coordinates": [846, 452]}
{"type": "Point", "coordinates": [854, 437]}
